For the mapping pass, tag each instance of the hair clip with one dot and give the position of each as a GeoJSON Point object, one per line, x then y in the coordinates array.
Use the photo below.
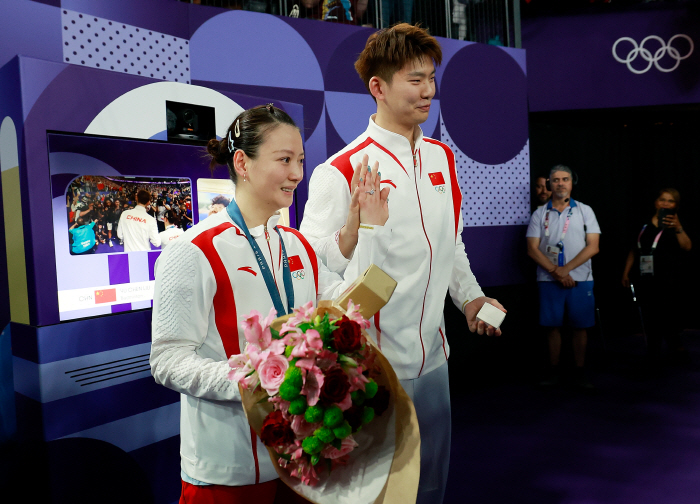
{"type": "Point", "coordinates": [270, 108]}
{"type": "Point", "coordinates": [231, 147]}
{"type": "Point", "coordinates": [237, 132]}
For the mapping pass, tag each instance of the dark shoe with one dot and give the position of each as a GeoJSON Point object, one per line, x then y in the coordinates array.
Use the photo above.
{"type": "Point", "coordinates": [552, 380]}
{"type": "Point", "coordinates": [581, 381]}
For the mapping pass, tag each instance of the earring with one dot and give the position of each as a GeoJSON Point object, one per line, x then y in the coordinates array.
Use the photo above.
{"type": "Point", "coordinates": [244, 179]}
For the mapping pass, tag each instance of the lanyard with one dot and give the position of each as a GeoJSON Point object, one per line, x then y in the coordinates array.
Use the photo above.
{"type": "Point", "coordinates": [235, 214]}
{"type": "Point", "coordinates": [566, 224]}
{"type": "Point", "coordinates": [653, 245]}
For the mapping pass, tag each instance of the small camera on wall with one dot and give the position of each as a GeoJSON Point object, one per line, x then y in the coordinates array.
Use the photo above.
{"type": "Point", "coordinates": [188, 123]}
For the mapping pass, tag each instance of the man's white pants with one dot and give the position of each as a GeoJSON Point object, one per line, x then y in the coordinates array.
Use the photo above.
{"type": "Point", "coordinates": [430, 394]}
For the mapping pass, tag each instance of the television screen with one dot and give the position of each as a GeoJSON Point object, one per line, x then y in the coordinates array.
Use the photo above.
{"type": "Point", "coordinates": [95, 185]}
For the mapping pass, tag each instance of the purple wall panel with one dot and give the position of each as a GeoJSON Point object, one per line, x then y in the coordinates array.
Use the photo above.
{"type": "Point", "coordinates": [30, 29]}
{"type": "Point", "coordinates": [118, 269]}
{"type": "Point", "coordinates": [571, 63]}
{"type": "Point", "coordinates": [167, 16]}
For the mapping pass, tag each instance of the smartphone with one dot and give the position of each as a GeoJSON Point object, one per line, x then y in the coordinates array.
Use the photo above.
{"type": "Point", "coordinates": [665, 212]}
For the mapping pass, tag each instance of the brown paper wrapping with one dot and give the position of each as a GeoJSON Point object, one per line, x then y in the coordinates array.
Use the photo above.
{"type": "Point", "coordinates": [401, 485]}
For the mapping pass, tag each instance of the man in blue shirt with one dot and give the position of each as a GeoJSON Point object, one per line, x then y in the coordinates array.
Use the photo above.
{"type": "Point", "coordinates": [83, 237]}
{"type": "Point", "coordinates": [562, 237]}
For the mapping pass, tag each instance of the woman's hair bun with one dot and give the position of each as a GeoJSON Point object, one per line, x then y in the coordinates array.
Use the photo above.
{"type": "Point", "coordinates": [215, 151]}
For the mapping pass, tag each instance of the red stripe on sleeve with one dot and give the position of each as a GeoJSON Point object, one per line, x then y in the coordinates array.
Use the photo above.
{"type": "Point", "coordinates": [309, 251]}
{"type": "Point", "coordinates": [224, 303]}
{"type": "Point", "coordinates": [456, 191]}
{"type": "Point", "coordinates": [342, 162]}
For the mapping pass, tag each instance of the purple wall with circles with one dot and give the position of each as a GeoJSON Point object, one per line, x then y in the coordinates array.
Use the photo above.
{"type": "Point", "coordinates": [480, 107]}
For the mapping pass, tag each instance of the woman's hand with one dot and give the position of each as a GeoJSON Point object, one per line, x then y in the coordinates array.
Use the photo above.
{"type": "Point", "coordinates": [671, 221]}
{"type": "Point", "coordinates": [625, 280]}
{"type": "Point", "coordinates": [373, 201]}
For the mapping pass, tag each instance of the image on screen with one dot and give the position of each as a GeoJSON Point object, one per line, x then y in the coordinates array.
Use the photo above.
{"type": "Point", "coordinates": [95, 204]}
{"type": "Point", "coordinates": [90, 177]}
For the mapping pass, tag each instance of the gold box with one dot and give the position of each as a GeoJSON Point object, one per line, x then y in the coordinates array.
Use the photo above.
{"type": "Point", "coordinates": [372, 290]}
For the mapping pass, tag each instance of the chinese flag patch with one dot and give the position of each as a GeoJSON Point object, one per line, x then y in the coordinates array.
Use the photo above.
{"type": "Point", "coordinates": [105, 296]}
{"type": "Point", "coordinates": [436, 178]}
{"type": "Point", "coordinates": [295, 263]}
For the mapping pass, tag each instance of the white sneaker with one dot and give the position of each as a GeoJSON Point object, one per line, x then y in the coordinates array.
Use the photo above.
{"type": "Point", "coordinates": [111, 244]}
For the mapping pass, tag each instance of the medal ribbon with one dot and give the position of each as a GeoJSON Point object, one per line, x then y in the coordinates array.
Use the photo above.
{"type": "Point", "coordinates": [235, 214]}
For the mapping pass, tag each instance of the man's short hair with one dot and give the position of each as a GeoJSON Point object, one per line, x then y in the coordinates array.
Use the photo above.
{"type": "Point", "coordinates": [561, 167]}
{"type": "Point", "coordinates": [143, 197]}
{"type": "Point", "coordinates": [388, 51]}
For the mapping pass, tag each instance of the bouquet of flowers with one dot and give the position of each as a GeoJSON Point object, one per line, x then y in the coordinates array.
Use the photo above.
{"type": "Point", "coordinates": [318, 373]}
{"type": "Point", "coordinates": [316, 389]}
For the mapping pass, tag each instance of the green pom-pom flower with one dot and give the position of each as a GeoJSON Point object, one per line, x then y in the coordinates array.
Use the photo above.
{"type": "Point", "coordinates": [332, 417]}
{"type": "Point", "coordinates": [293, 376]}
{"type": "Point", "coordinates": [325, 434]}
{"type": "Point", "coordinates": [367, 415]}
{"type": "Point", "coordinates": [298, 406]}
{"type": "Point", "coordinates": [371, 389]}
{"type": "Point", "coordinates": [342, 431]}
{"type": "Point", "coordinates": [288, 391]}
{"type": "Point", "coordinates": [358, 397]}
{"type": "Point", "coordinates": [312, 445]}
{"type": "Point", "coordinates": [314, 413]}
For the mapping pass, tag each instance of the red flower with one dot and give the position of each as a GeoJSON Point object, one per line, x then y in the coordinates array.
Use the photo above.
{"type": "Point", "coordinates": [348, 337]}
{"type": "Point", "coordinates": [276, 430]}
{"type": "Point", "coordinates": [335, 386]}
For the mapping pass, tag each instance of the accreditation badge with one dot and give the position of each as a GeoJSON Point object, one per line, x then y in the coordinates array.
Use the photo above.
{"type": "Point", "coordinates": [646, 265]}
{"type": "Point", "coordinates": [552, 252]}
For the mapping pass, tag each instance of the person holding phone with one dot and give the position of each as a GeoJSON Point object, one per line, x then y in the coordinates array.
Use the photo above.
{"type": "Point", "coordinates": [654, 267]}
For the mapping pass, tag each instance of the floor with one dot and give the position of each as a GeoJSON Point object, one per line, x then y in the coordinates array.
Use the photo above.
{"type": "Point", "coordinates": [635, 439]}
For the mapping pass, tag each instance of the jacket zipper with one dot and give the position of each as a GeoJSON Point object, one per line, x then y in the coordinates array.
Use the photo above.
{"type": "Point", "coordinates": [430, 266]}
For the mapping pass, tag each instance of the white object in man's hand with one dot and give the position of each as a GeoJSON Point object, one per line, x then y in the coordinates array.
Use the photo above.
{"type": "Point", "coordinates": [479, 326]}
{"type": "Point", "coordinates": [491, 315]}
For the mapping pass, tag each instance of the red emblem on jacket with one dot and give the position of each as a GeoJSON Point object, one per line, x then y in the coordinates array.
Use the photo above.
{"type": "Point", "coordinates": [295, 263]}
{"type": "Point", "coordinates": [436, 178]}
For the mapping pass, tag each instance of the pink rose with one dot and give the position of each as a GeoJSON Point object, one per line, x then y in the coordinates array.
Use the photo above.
{"type": "Point", "coordinates": [271, 371]}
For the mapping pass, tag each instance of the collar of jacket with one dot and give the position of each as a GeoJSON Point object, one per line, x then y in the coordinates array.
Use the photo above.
{"type": "Point", "coordinates": [395, 143]}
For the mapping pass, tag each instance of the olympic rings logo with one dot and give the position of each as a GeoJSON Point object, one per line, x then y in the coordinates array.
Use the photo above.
{"type": "Point", "coordinates": [652, 59]}
{"type": "Point", "coordinates": [298, 275]}
{"type": "Point", "coordinates": [440, 189]}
